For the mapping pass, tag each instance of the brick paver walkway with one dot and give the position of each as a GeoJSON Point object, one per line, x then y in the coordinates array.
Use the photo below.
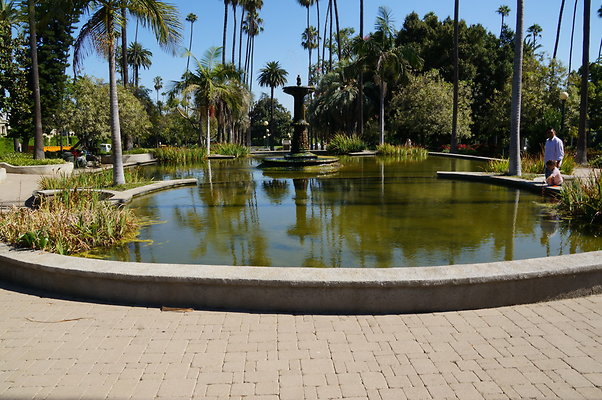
{"type": "Point", "coordinates": [61, 349]}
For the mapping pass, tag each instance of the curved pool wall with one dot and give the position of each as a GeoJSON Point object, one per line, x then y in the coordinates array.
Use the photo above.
{"type": "Point", "coordinates": [349, 290]}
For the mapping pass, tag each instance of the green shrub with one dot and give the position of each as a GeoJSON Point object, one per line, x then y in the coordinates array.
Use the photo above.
{"type": "Point", "coordinates": [26, 159]}
{"type": "Point", "coordinates": [582, 199]}
{"type": "Point", "coordinates": [230, 149]}
{"type": "Point", "coordinates": [140, 150]}
{"type": "Point", "coordinates": [531, 165]}
{"type": "Point", "coordinates": [343, 144]}
{"type": "Point", "coordinates": [407, 152]}
{"type": "Point", "coordinates": [94, 180]}
{"type": "Point", "coordinates": [596, 162]}
{"type": "Point", "coordinates": [70, 222]}
{"type": "Point", "coordinates": [180, 155]}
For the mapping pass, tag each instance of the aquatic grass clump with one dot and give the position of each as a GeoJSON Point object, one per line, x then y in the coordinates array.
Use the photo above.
{"type": "Point", "coordinates": [405, 152]}
{"type": "Point", "coordinates": [139, 150]}
{"type": "Point", "coordinates": [344, 144]}
{"type": "Point", "coordinates": [70, 222]}
{"type": "Point", "coordinates": [230, 149]}
{"type": "Point", "coordinates": [94, 180]}
{"type": "Point", "coordinates": [531, 165]}
{"type": "Point", "coordinates": [180, 155]}
{"type": "Point", "coordinates": [26, 159]}
{"type": "Point", "coordinates": [582, 199]}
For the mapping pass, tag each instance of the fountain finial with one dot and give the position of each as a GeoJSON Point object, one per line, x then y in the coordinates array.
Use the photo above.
{"type": "Point", "coordinates": [298, 80]}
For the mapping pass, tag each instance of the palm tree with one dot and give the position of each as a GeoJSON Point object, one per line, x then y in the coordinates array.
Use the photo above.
{"type": "Point", "coordinates": [534, 31]}
{"type": "Point", "coordinates": [37, 103]}
{"type": "Point", "coordinates": [226, 4]}
{"type": "Point", "coordinates": [192, 19]}
{"type": "Point", "coordinates": [100, 32]}
{"type": "Point", "coordinates": [600, 49]}
{"type": "Point", "coordinates": [581, 157]}
{"type": "Point", "coordinates": [454, 135]}
{"type": "Point", "coordinates": [139, 58]}
{"type": "Point", "coordinates": [158, 81]}
{"type": "Point", "coordinates": [272, 76]}
{"type": "Point", "coordinates": [504, 11]}
{"type": "Point", "coordinates": [211, 85]}
{"type": "Point", "coordinates": [309, 41]}
{"type": "Point", "coordinates": [307, 4]}
{"type": "Point", "coordinates": [124, 45]}
{"type": "Point", "coordinates": [514, 157]}
{"type": "Point", "coordinates": [558, 29]}
{"type": "Point", "coordinates": [234, 4]}
{"type": "Point", "coordinates": [253, 26]}
{"type": "Point", "coordinates": [388, 61]}
{"type": "Point", "coordinates": [360, 104]}
{"type": "Point", "coordinates": [572, 37]}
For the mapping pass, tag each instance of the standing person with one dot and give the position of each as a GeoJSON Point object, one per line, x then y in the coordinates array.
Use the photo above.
{"type": "Point", "coordinates": [554, 150]}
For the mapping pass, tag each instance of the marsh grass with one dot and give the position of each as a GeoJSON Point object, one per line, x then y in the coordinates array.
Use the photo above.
{"type": "Point", "coordinates": [180, 155]}
{"type": "Point", "coordinates": [581, 199]}
{"type": "Point", "coordinates": [531, 164]}
{"type": "Point", "coordinates": [230, 149]}
{"type": "Point", "coordinates": [404, 152]}
{"type": "Point", "coordinates": [94, 180]}
{"type": "Point", "coordinates": [344, 144]}
{"type": "Point", "coordinates": [68, 223]}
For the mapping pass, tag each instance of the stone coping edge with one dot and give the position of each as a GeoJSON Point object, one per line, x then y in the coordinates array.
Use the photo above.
{"type": "Point", "coordinates": [463, 156]}
{"type": "Point", "coordinates": [307, 290]}
{"type": "Point", "coordinates": [490, 177]}
{"type": "Point", "coordinates": [50, 169]}
{"type": "Point", "coordinates": [125, 196]}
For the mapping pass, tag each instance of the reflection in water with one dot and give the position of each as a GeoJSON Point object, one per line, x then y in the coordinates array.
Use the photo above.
{"type": "Point", "coordinates": [373, 212]}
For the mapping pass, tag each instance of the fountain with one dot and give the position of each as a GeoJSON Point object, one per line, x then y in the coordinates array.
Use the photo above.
{"type": "Point", "coordinates": [300, 156]}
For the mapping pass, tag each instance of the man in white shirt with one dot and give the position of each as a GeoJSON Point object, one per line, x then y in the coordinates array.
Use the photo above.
{"type": "Point", "coordinates": [554, 150]}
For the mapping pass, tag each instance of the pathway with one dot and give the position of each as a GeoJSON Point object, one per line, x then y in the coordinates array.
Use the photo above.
{"type": "Point", "coordinates": [64, 349]}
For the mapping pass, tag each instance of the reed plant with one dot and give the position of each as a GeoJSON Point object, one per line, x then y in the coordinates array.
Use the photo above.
{"type": "Point", "coordinates": [344, 144]}
{"type": "Point", "coordinates": [404, 152]}
{"type": "Point", "coordinates": [94, 180]}
{"type": "Point", "coordinates": [581, 199]}
{"type": "Point", "coordinates": [230, 149]}
{"type": "Point", "coordinates": [70, 222]}
{"type": "Point", "coordinates": [180, 155]}
{"type": "Point", "coordinates": [531, 164]}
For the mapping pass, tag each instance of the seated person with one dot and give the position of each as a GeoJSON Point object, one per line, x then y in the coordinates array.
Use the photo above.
{"type": "Point", "coordinates": [554, 177]}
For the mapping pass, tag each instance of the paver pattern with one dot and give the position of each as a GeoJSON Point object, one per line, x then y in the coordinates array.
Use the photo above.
{"type": "Point", "coordinates": [63, 349]}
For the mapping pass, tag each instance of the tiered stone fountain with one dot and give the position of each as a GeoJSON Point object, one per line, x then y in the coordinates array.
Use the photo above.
{"type": "Point", "coordinates": [300, 156]}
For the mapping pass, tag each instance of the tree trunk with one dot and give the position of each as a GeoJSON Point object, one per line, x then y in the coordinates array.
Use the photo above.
{"type": "Point", "coordinates": [454, 134]}
{"type": "Point", "coordinates": [189, 46]}
{"type": "Point", "coordinates": [35, 78]}
{"type": "Point", "coordinates": [382, 112]}
{"type": "Point", "coordinates": [361, 78]}
{"type": "Point", "coordinates": [225, 29]}
{"type": "Point", "coordinates": [118, 174]}
{"type": "Point", "coordinates": [558, 29]}
{"type": "Point", "coordinates": [309, 43]}
{"type": "Point", "coordinates": [124, 48]}
{"type": "Point", "coordinates": [514, 159]}
{"type": "Point", "coordinates": [319, 69]}
{"type": "Point", "coordinates": [582, 139]}
{"type": "Point", "coordinates": [336, 12]}
{"type": "Point", "coordinates": [208, 131]}
{"type": "Point", "coordinates": [233, 33]}
{"type": "Point", "coordinates": [273, 133]}
{"type": "Point", "coordinates": [572, 37]}
{"type": "Point", "coordinates": [242, 18]}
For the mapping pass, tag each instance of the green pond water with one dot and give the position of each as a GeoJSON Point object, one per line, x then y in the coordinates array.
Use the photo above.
{"type": "Point", "coordinates": [373, 212]}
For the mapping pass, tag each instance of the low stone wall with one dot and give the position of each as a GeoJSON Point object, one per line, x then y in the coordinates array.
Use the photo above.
{"type": "Point", "coordinates": [54, 169]}
{"type": "Point", "coordinates": [143, 158]}
{"type": "Point", "coordinates": [394, 290]}
{"type": "Point", "coordinates": [2, 174]}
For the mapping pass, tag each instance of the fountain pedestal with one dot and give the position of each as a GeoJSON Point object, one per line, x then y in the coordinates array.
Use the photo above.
{"type": "Point", "coordinates": [300, 155]}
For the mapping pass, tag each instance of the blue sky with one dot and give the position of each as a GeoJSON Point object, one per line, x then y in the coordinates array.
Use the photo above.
{"type": "Point", "coordinates": [285, 20]}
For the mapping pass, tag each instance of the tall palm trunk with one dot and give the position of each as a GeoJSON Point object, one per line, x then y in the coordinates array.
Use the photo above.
{"type": "Point", "coordinates": [572, 37]}
{"type": "Point", "coordinates": [383, 88]}
{"type": "Point", "coordinates": [234, 32]}
{"type": "Point", "coordinates": [558, 29]}
{"type": "Point", "coordinates": [309, 44]}
{"type": "Point", "coordinates": [319, 69]}
{"type": "Point", "coordinates": [242, 18]}
{"type": "Point", "coordinates": [124, 48]}
{"type": "Point", "coordinates": [271, 138]}
{"type": "Point", "coordinates": [118, 174]}
{"type": "Point", "coordinates": [225, 29]}
{"type": "Point", "coordinates": [336, 12]}
{"type": "Point", "coordinates": [582, 139]}
{"type": "Point", "coordinates": [330, 38]}
{"type": "Point", "coordinates": [514, 159]}
{"type": "Point", "coordinates": [361, 78]}
{"type": "Point", "coordinates": [208, 130]}
{"type": "Point", "coordinates": [35, 78]}
{"type": "Point", "coordinates": [328, 9]}
{"type": "Point", "coordinates": [454, 135]}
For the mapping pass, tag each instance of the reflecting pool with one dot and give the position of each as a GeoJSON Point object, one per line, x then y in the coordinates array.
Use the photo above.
{"type": "Point", "coordinates": [372, 212]}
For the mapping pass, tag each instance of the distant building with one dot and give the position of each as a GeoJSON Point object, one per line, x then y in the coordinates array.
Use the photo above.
{"type": "Point", "coordinates": [3, 125]}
